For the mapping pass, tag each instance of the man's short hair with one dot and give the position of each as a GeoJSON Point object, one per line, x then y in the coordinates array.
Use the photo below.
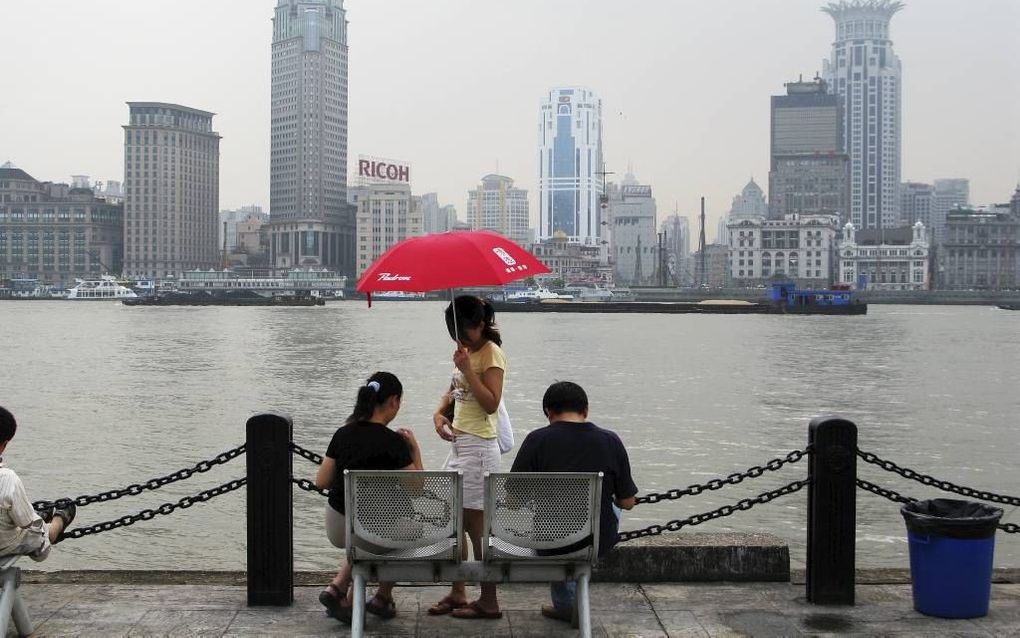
{"type": "Point", "coordinates": [8, 426]}
{"type": "Point", "coordinates": [564, 396]}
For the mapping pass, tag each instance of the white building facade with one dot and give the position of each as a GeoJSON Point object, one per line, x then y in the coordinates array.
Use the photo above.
{"type": "Point", "coordinates": [866, 74]}
{"type": "Point", "coordinates": [797, 248]}
{"type": "Point", "coordinates": [895, 259]}
{"type": "Point", "coordinates": [497, 205]}
{"type": "Point", "coordinates": [387, 213]}
{"type": "Point", "coordinates": [570, 163]}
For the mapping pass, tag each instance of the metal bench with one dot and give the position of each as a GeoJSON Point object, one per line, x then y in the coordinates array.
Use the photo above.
{"type": "Point", "coordinates": [540, 527]}
{"type": "Point", "coordinates": [11, 604]}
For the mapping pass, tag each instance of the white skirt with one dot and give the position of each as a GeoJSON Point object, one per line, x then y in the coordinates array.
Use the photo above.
{"type": "Point", "coordinates": [473, 456]}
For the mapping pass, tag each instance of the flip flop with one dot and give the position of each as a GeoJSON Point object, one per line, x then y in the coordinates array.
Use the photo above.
{"type": "Point", "coordinates": [445, 606]}
{"type": "Point", "coordinates": [382, 607]}
{"type": "Point", "coordinates": [473, 611]}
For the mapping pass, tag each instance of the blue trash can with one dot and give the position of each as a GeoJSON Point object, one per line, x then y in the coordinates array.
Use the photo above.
{"type": "Point", "coordinates": [951, 547]}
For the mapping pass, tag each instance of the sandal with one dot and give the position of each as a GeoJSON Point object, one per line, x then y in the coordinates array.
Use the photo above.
{"type": "Point", "coordinates": [474, 611]}
{"type": "Point", "coordinates": [445, 606]}
{"type": "Point", "coordinates": [331, 598]}
{"type": "Point", "coordinates": [382, 607]}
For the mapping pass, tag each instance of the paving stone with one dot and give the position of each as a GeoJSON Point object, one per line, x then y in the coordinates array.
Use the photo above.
{"type": "Point", "coordinates": [183, 597]}
{"type": "Point", "coordinates": [443, 626]}
{"type": "Point", "coordinates": [763, 622]}
{"type": "Point", "coordinates": [681, 624]}
{"type": "Point", "coordinates": [630, 624]}
{"type": "Point", "coordinates": [173, 623]}
{"type": "Point", "coordinates": [691, 597]}
{"type": "Point", "coordinates": [114, 619]}
{"type": "Point", "coordinates": [266, 622]}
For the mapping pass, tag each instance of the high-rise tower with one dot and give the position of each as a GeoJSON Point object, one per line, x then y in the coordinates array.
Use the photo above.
{"type": "Point", "coordinates": [311, 223]}
{"type": "Point", "coordinates": [865, 73]}
{"type": "Point", "coordinates": [570, 163]}
{"type": "Point", "coordinates": [172, 190]}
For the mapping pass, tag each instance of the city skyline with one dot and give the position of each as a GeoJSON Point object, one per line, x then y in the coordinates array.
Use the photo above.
{"type": "Point", "coordinates": [683, 142]}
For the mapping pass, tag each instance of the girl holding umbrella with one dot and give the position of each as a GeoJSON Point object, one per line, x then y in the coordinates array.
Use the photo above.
{"type": "Point", "coordinates": [476, 392]}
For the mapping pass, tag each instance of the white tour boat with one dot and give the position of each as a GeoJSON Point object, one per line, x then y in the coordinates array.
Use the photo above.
{"type": "Point", "coordinates": [541, 293]}
{"type": "Point", "coordinates": [105, 288]}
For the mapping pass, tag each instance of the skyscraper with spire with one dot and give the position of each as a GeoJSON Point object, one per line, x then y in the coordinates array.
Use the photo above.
{"type": "Point", "coordinates": [311, 223]}
{"type": "Point", "coordinates": [865, 73]}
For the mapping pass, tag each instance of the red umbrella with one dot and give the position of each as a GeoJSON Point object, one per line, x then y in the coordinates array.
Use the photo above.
{"type": "Point", "coordinates": [455, 259]}
{"type": "Point", "coordinates": [451, 260]}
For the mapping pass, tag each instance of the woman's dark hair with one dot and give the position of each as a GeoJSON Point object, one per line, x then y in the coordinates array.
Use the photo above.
{"type": "Point", "coordinates": [8, 426]}
{"type": "Point", "coordinates": [473, 312]}
{"type": "Point", "coordinates": [379, 387]}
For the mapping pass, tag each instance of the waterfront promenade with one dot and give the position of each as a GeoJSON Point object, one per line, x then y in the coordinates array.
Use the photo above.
{"type": "Point", "coordinates": [661, 609]}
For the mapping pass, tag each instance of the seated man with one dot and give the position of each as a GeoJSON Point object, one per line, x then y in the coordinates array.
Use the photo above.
{"type": "Point", "coordinates": [571, 444]}
{"type": "Point", "coordinates": [22, 530]}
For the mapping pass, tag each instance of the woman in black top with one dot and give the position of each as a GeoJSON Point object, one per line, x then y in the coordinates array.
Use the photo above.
{"type": "Point", "coordinates": [363, 443]}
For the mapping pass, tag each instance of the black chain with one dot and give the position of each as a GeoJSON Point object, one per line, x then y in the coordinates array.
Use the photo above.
{"type": "Point", "coordinates": [308, 486]}
{"type": "Point", "coordinates": [726, 510]}
{"type": "Point", "coordinates": [946, 486]}
{"type": "Point", "coordinates": [149, 514]}
{"type": "Point", "coordinates": [300, 451]}
{"type": "Point", "coordinates": [896, 497]}
{"type": "Point", "coordinates": [152, 484]}
{"type": "Point", "coordinates": [719, 483]}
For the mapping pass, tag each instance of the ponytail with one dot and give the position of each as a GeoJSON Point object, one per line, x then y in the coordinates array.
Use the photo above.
{"type": "Point", "coordinates": [376, 391]}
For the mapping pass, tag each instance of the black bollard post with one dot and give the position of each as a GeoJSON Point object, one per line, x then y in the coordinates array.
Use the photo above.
{"type": "Point", "coordinates": [270, 510]}
{"type": "Point", "coordinates": [832, 511]}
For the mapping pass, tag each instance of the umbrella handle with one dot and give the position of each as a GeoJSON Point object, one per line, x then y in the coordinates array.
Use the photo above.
{"type": "Point", "coordinates": [453, 308]}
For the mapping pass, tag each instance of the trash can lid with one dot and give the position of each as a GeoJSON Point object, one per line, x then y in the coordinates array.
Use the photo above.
{"type": "Point", "coordinates": [951, 517]}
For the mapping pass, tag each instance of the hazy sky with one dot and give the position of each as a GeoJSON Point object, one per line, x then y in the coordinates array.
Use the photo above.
{"type": "Point", "coordinates": [454, 86]}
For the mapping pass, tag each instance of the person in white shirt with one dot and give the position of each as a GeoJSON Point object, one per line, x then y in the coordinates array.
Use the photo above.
{"type": "Point", "coordinates": [22, 529]}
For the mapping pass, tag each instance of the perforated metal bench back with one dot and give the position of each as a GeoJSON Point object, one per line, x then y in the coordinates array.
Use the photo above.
{"type": "Point", "coordinates": [403, 509]}
{"type": "Point", "coordinates": [544, 510]}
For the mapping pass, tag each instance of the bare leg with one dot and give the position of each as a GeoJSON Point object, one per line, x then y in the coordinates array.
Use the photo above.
{"type": "Point", "coordinates": [458, 595]}
{"type": "Point", "coordinates": [56, 526]}
{"type": "Point", "coordinates": [473, 523]}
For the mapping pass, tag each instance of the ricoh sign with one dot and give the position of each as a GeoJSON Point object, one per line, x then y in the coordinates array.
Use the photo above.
{"type": "Point", "coordinates": [372, 169]}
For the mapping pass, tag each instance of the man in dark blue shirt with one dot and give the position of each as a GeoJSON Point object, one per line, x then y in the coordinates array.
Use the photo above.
{"type": "Point", "coordinates": [571, 444]}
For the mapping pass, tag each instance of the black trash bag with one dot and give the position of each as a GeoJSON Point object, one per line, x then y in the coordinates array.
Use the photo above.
{"type": "Point", "coordinates": [951, 518]}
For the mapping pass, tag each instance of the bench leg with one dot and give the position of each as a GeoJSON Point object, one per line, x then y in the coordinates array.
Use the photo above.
{"type": "Point", "coordinates": [583, 606]}
{"type": "Point", "coordinates": [358, 613]}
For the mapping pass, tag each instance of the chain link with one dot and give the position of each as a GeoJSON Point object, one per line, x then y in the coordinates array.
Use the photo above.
{"type": "Point", "coordinates": [719, 483]}
{"type": "Point", "coordinates": [726, 510]}
{"type": "Point", "coordinates": [149, 514]}
{"type": "Point", "coordinates": [308, 454]}
{"type": "Point", "coordinates": [152, 484]}
{"type": "Point", "coordinates": [930, 481]}
{"type": "Point", "coordinates": [308, 486]}
{"type": "Point", "coordinates": [896, 497]}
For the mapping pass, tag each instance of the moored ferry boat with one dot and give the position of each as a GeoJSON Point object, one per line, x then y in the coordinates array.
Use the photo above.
{"type": "Point", "coordinates": [314, 282]}
{"type": "Point", "coordinates": [105, 288]}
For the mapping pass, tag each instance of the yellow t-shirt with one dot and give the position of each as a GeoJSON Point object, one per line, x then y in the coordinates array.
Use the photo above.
{"type": "Point", "coordinates": [468, 415]}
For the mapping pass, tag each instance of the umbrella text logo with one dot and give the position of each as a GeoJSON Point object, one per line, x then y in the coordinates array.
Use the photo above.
{"type": "Point", "coordinates": [385, 276]}
{"type": "Point", "coordinates": [505, 256]}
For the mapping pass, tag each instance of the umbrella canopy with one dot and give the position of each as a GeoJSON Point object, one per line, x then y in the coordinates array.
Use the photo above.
{"type": "Point", "coordinates": [456, 259]}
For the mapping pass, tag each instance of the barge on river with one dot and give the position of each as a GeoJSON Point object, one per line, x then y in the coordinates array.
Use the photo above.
{"type": "Point", "coordinates": [784, 299]}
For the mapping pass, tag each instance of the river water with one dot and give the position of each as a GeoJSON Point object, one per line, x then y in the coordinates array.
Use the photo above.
{"type": "Point", "coordinates": [108, 395]}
